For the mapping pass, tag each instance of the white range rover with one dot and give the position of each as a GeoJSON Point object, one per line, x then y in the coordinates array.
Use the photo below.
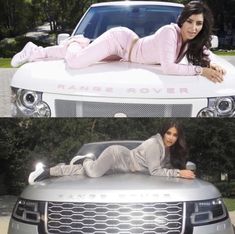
{"type": "Point", "coordinates": [109, 89]}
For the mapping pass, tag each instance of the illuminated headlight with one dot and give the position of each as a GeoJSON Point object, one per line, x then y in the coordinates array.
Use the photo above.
{"type": "Point", "coordinates": [219, 107]}
{"type": "Point", "coordinates": [208, 211]}
{"type": "Point", "coordinates": [29, 103]}
{"type": "Point", "coordinates": [27, 211]}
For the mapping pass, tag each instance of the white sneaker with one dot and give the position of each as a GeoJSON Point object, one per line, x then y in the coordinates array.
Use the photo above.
{"type": "Point", "coordinates": [81, 158]}
{"type": "Point", "coordinates": [23, 56]}
{"type": "Point", "coordinates": [39, 169]}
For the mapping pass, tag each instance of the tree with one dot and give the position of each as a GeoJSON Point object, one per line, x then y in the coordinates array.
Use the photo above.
{"type": "Point", "coordinates": [16, 17]}
{"type": "Point", "coordinates": [211, 145]}
{"type": "Point", "coordinates": [61, 14]}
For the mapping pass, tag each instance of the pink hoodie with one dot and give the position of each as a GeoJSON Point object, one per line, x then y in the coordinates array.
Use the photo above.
{"type": "Point", "coordinates": [163, 48]}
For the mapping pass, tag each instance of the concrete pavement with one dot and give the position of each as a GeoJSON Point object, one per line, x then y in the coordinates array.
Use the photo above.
{"type": "Point", "coordinates": [232, 217]}
{"type": "Point", "coordinates": [5, 92]}
{"type": "Point", "coordinates": [4, 222]}
{"type": "Point", "coordinates": [231, 59]}
{"type": "Point", "coordinates": [7, 203]}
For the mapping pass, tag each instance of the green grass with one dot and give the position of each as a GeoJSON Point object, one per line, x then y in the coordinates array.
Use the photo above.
{"type": "Point", "coordinates": [224, 52]}
{"type": "Point", "coordinates": [5, 63]}
{"type": "Point", "coordinates": [230, 203]}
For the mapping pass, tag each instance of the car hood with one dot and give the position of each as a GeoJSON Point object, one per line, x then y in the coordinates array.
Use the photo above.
{"type": "Point", "coordinates": [120, 79]}
{"type": "Point", "coordinates": [120, 188]}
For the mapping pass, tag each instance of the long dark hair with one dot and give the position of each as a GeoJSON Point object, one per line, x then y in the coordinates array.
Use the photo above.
{"type": "Point", "coordinates": [178, 152]}
{"type": "Point", "coordinates": [195, 53]}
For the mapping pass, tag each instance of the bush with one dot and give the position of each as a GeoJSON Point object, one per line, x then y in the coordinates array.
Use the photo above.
{"type": "Point", "coordinates": [10, 46]}
{"type": "Point", "coordinates": [7, 47]}
{"type": "Point", "coordinates": [226, 189]}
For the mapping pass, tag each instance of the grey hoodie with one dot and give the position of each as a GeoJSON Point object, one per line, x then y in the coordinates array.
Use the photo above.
{"type": "Point", "coordinates": [152, 156]}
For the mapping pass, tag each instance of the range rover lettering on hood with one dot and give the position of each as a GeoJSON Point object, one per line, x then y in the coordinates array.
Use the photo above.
{"type": "Point", "coordinates": [128, 90]}
{"type": "Point", "coordinates": [117, 197]}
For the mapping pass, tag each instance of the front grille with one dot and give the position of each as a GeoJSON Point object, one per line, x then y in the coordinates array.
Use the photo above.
{"type": "Point", "coordinates": [100, 109]}
{"type": "Point", "coordinates": [108, 218]}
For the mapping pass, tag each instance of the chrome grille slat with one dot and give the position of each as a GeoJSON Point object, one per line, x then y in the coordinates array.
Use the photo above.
{"type": "Point", "coordinates": [105, 218]}
{"type": "Point", "coordinates": [66, 108]}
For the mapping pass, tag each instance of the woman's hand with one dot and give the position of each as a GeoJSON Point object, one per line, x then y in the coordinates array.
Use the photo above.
{"type": "Point", "coordinates": [214, 73]}
{"type": "Point", "coordinates": [187, 174]}
{"type": "Point", "coordinates": [218, 68]}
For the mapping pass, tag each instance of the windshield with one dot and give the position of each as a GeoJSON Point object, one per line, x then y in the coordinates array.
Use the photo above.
{"type": "Point", "coordinates": [142, 19]}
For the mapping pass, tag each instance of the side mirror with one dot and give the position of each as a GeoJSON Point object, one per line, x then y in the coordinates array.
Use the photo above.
{"type": "Point", "coordinates": [191, 166]}
{"type": "Point", "coordinates": [214, 42]}
{"type": "Point", "coordinates": [61, 37]}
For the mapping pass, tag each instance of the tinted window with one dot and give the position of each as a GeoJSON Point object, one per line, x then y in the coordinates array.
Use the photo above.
{"type": "Point", "coordinates": [144, 20]}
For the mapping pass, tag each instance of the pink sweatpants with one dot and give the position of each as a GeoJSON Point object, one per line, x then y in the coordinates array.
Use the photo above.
{"type": "Point", "coordinates": [78, 53]}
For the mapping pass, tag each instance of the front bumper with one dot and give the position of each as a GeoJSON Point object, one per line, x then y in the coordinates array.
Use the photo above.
{"type": "Point", "coordinates": [16, 227]}
{"type": "Point", "coordinates": [89, 106]}
{"type": "Point", "coordinates": [28, 103]}
{"type": "Point", "coordinates": [224, 227]}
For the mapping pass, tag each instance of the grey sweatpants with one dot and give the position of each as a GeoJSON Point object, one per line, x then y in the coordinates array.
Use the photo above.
{"type": "Point", "coordinates": [113, 159]}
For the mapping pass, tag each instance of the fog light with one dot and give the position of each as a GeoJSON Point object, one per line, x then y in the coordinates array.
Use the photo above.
{"type": "Point", "coordinates": [42, 110]}
{"type": "Point", "coordinates": [207, 112]}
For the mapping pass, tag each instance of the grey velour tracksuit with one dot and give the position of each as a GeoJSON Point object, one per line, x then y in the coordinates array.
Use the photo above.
{"type": "Point", "coordinates": [149, 157]}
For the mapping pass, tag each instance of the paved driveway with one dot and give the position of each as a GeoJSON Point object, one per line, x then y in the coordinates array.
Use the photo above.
{"type": "Point", "coordinates": [5, 99]}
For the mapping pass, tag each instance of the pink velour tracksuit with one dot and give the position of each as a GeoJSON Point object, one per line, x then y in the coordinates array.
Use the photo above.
{"type": "Point", "coordinates": [163, 48]}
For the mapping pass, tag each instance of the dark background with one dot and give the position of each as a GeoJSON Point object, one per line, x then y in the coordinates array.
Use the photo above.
{"type": "Point", "coordinates": [23, 142]}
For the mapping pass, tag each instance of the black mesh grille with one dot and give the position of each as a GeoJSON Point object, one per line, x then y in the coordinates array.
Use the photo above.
{"type": "Point", "coordinates": [144, 218]}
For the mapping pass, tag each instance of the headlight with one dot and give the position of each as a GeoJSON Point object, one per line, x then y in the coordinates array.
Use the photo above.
{"type": "Point", "coordinates": [28, 98]}
{"type": "Point", "coordinates": [29, 103]}
{"type": "Point", "coordinates": [27, 211]}
{"type": "Point", "coordinates": [208, 211]}
{"type": "Point", "coordinates": [225, 106]}
{"type": "Point", "coordinates": [219, 107]}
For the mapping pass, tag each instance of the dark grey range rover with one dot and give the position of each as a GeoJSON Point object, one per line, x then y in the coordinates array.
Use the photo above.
{"type": "Point", "coordinates": [120, 203]}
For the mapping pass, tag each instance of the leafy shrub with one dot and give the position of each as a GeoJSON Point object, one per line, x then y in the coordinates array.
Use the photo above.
{"type": "Point", "coordinates": [226, 189]}
{"type": "Point", "coordinates": [10, 46]}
